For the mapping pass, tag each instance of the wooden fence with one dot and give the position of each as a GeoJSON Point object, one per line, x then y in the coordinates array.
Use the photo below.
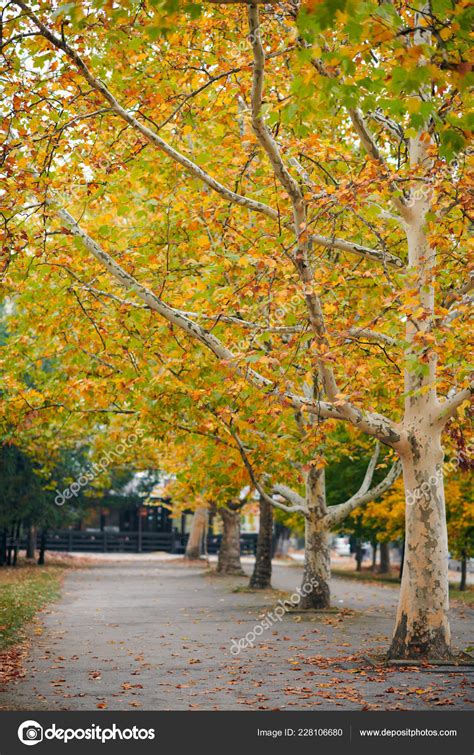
{"type": "Point", "coordinates": [134, 542]}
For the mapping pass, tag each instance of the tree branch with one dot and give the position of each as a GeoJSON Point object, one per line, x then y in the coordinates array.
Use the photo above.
{"type": "Point", "coordinates": [368, 142]}
{"type": "Point", "coordinates": [449, 407]}
{"type": "Point", "coordinates": [370, 422]}
{"type": "Point", "coordinates": [301, 258]}
{"type": "Point", "coordinates": [372, 335]}
{"type": "Point", "coordinates": [291, 495]}
{"type": "Point", "coordinates": [459, 293]}
{"type": "Point", "coordinates": [388, 124]}
{"type": "Point", "coordinates": [149, 135]}
{"type": "Point", "coordinates": [376, 425]}
{"type": "Point", "coordinates": [253, 477]}
{"type": "Point", "coordinates": [191, 328]}
{"type": "Point", "coordinates": [216, 318]}
{"type": "Point", "coordinates": [362, 251]}
{"type": "Point", "coordinates": [369, 472]}
{"type": "Point", "coordinates": [263, 134]}
{"type": "Point", "coordinates": [337, 513]}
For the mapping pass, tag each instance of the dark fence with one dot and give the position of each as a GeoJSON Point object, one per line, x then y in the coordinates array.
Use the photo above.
{"type": "Point", "coordinates": [134, 542]}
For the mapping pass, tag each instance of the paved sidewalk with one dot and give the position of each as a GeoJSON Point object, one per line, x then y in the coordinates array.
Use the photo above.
{"type": "Point", "coordinates": [157, 636]}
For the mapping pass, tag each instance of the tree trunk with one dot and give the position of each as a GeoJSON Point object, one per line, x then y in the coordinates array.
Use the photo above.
{"type": "Point", "coordinates": [262, 571]}
{"type": "Point", "coordinates": [402, 559]}
{"type": "Point", "coordinates": [3, 547]}
{"type": "Point", "coordinates": [228, 561]}
{"type": "Point", "coordinates": [194, 546]}
{"type": "Point", "coordinates": [16, 544]}
{"type": "Point", "coordinates": [374, 555]}
{"type": "Point", "coordinates": [422, 626]}
{"type": "Point", "coordinates": [315, 588]}
{"type": "Point", "coordinates": [30, 542]}
{"type": "Point", "coordinates": [42, 549]}
{"type": "Point", "coordinates": [359, 555]}
{"type": "Point", "coordinates": [11, 546]}
{"type": "Point", "coordinates": [282, 541]}
{"type": "Point", "coordinates": [384, 558]}
{"type": "Point", "coordinates": [463, 582]}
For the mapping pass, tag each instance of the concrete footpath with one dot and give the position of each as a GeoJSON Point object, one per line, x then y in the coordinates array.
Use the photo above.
{"type": "Point", "coordinates": [157, 634]}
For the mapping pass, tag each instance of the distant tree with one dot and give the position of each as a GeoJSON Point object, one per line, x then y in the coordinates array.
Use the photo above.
{"type": "Point", "coordinates": [25, 500]}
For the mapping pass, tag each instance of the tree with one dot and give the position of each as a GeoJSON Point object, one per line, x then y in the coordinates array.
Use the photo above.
{"type": "Point", "coordinates": [194, 546]}
{"type": "Point", "coordinates": [22, 499]}
{"type": "Point", "coordinates": [320, 519]}
{"type": "Point", "coordinates": [460, 515]}
{"type": "Point", "coordinates": [221, 430]}
{"type": "Point", "coordinates": [27, 498]}
{"type": "Point", "coordinates": [228, 561]}
{"type": "Point", "coordinates": [397, 177]}
{"type": "Point", "coordinates": [261, 576]}
{"type": "Point", "coordinates": [205, 480]}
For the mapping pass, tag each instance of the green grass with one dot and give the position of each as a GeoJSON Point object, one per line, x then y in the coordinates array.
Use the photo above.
{"type": "Point", "coordinates": [24, 590]}
{"type": "Point", "coordinates": [366, 576]}
{"type": "Point", "coordinates": [272, 591]}
{"type": "Point", "coordinates": [466, 596]}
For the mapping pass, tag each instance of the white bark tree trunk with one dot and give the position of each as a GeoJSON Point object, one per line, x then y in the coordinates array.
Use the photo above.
{"type": "Point", "coordinates": [228, 561]}
{"type": "Point", "coordinates": [315, 588]}
{"type": "Point", "coordinates": [422, 626]}
{"type": "Point", "coordinates": [319, 521]}
{"type": "Point", "coordinates": [194, 546]}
